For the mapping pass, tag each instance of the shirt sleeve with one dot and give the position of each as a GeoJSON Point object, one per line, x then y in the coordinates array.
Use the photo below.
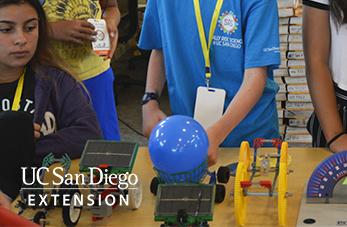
{"type": "Point", "coordinates": [319, 4]}
{"type": "Point", "coordinates": [75, 118]}
{"type": "Point", "coordinates": [261, 35]}
{"type": "Point", "coordinates": [150, 37]}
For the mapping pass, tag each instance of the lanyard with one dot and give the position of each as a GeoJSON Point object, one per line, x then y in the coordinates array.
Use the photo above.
{"type": "Point", "coordinates": [18, 94]}
{"type": "Point", "coordinates": [206, 47]}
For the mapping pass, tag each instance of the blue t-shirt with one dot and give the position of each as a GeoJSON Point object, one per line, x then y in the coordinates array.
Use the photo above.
{"type": "Point", "coordinates": [246, 36]}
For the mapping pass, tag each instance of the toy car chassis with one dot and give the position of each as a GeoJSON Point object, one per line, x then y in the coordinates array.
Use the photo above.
{"type": "Point", "coordinates": [70, 213]}
{"type": "Point", "coordinates": [247, 170]}
{"type": "Point", "coordinates": [161, 179]}
{"type": "Point", "coordinates": [114, 158]}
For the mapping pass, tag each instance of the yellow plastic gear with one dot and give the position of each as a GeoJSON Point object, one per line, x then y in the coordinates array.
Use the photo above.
{"type": "Point", "coordinates": [282, 186]}
{"type": "Point", "coordinates": [240, 201]}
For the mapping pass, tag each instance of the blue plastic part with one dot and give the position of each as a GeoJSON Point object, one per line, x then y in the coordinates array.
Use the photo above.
{"type": "Point", "coordinates": [233, 167]}
{"type": "Point", "coordinates": [193, 176]}
{"type": "Point", "coordinates": [213, 177]}
{"type": "Point", "coordinates": [178, 144]}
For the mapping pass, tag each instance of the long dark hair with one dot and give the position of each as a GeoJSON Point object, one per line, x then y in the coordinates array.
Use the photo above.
{"type": "Point", "coordinates": [42, 56]}
{"type": "Point", "coordinates": [339, 10]}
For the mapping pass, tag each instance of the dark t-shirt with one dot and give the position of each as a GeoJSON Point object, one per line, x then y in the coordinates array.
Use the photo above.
{"type": "Point", "coordinates": [16, 125]}
{"type": "Point", "coordinates": [8, 90]}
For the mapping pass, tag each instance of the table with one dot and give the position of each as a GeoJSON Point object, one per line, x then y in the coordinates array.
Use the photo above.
{"type": "Point", "coordinates": [262, 211]}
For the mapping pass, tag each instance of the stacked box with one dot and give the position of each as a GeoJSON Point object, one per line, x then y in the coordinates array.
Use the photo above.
{"type": "Point", "coordinates": [294, 99]}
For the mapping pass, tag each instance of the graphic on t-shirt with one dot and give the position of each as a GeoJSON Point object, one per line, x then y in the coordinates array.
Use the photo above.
{"type": "Point", "coordinates": [49, 125]}
{"type": "Point", "coordinates": [71, 9]}
{"type": "Point", "coordinates": [57, 10]}
{"type": "Point", "coordinates": [27, 105]}
{"type": "Point", "coordinates": [228, 22]}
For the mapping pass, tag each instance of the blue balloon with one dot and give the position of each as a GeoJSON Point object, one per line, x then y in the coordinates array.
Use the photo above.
{"type": "Point", "coordinates": [178, 144]}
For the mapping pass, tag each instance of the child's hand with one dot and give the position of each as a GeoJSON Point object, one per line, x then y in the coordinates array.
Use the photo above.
{"type": "Point", "coordinates": [213, 146]}
{"type": "Point", "coordinates": [151, 115]}
{"type": "Point", "coordinates": [75, 31]}
{"type": "Point", "coordinates": [4, 201]}
{"type": "Point", "coordinates": [37, 129]}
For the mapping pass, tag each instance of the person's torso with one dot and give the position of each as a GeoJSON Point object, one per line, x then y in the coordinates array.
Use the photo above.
{"type": "Point", "coordinates": [29, 101]}
{"type": "Point", "coordinates": [184, 62]}
{"type": "Point", "coordinates": [27, 98]}
{"type": "Point", "coordinates": [80, 59]}
{"type": "Point", "coordinates": [185, 65]}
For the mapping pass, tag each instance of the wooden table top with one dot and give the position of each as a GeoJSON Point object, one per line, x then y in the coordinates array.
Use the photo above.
{"type": "Point", "coordinates": [262, 211]}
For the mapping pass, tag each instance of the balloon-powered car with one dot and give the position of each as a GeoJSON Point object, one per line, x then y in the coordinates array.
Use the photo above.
{"type": "Point", "coordinates": [178, 148]}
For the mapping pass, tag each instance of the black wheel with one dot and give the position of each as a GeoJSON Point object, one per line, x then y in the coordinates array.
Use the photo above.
{"type": "Point", "coordinates": [62, 190]}
{"type": "Point", "coordinates": [205, 224]}
{"type": "Point", "coordinates": [220, 193]}
{"type": "Point", "coordinates": [223, 174]}
{"type": "Point", "coordinates": [39, 216]}
{"type": "Point", "coordinates": [154, 185]}
{"type": "Point", "coordinates": [72, 212]}
{"type": "Point", "coordinates": [65, 189]}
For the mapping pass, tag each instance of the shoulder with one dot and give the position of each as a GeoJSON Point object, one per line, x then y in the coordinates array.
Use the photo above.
{"type": "Point", "coordinates": [55, 78]}
{"type": "Point", "coordinates": [259, 2]}
{"type": "Point", "coordinates": [54, 75]}
{"type": "Point", "coordinates": [250, 5]}
{"type": "Point", "coordinates": [60, 85]}
{"type": "Point", "coordinates": [261, 9]}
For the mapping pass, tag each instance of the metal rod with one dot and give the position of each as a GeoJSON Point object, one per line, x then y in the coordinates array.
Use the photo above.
{"type": "Point", "coordinates": [259, 194]}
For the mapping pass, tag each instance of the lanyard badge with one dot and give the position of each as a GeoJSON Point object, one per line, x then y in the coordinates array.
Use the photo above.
{"type": "Point", "coordinates": [206, 47]}
{"type": "Point", "coordinates": [209, 105]}
{"type": "Point", "coordinates": [18, 94]}
{"type": "Point", "coordinates": [209, 102]}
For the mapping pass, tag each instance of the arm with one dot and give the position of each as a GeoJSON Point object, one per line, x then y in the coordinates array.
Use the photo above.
{"type": "Point", "coordinates": [75, 119]}
{"type": "Point", "coordinates": [248, 95]}
{"type": "Point", "coordinates": [151, 113]}
{"type": "Point", "coordinates": [75, 31]}
{"type": "Point", "coordinates": [316, 36]}
{"type": "Point", "coordinates": [108, 3]}
{"type": "Point", "coordinates": [260, 14]}
{"type": "Point", "coordinates": [112, 17]}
